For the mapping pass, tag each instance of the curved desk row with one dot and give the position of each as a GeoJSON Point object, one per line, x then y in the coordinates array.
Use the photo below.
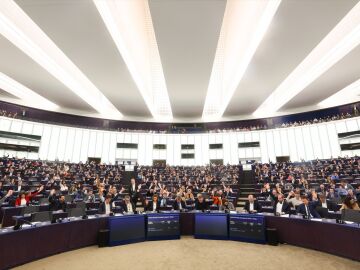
{"type": "Point", "coordinates": [32, 243]}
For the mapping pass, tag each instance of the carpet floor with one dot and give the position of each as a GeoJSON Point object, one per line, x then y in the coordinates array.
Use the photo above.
{"type": "Point", "coordinates": [188, 253]}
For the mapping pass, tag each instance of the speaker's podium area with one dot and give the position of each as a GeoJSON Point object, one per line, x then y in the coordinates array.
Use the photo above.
{"type": "Point", "coordinates": [171, 134]}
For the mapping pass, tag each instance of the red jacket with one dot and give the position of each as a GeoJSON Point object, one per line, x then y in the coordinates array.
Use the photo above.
{"type": "Point", "coordinates": [28, 198]}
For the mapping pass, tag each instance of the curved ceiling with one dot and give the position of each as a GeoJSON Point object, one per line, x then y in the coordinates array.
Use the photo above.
{"type": "Point", "coordinates": [179, 60]}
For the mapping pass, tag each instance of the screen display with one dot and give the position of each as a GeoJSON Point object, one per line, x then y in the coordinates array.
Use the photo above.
{"type": "Point", "coordinates": [163, 226]}
{"type": "Point", "coordinates": [126, 229]}
{"type": "Point", "coordinates": [247, 228]}
{"type": "Point", "coordinates": [211, 226]}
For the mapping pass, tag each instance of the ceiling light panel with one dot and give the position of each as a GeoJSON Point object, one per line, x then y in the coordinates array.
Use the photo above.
{"type": "Point", "coordinates": [18, 28]}
{"type": "Point", "coordinates": [342, 39]}
{"type": "Point", "coordinates": [244, 26]}
{"type": "Point", "coordinates": [27, 95]}
{"type": "Point", "coordinates": [130, 26]}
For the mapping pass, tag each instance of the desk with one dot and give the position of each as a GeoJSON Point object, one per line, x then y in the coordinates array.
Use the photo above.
{"type": "Point", "coordinates": [29, 244]}
{"type": "Point", "coordinates": [338, 239]}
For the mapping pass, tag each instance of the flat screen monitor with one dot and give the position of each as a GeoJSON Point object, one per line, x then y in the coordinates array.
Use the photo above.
{"type": "Point", "coordinates": [211, 226]}
{"type": "Point", "coordinates": [126, 229]}
{"type": "Point", "coordinates": [163, 226]}
{"type": "Point", "coordinates": [76, 212]}
{"type": "Point", "coordinates": [58, 215]}
{"type": "Point", "coordinates": [248, 228]}
{"type": "Point", "coordinates": [40, 216]}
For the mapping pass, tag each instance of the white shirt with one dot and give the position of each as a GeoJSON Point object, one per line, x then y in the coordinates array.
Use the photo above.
{"type": "Point", "coordinates": [129, 207]}
{"type": "Point", "coordinates": [278, 207]}
{"type": "Point", "coordinates": [324, 204]}
{"type": "Point", "coordinates": [251, 206]}
{"type": "Point", "coordinates": [154, 206]}
{"type": "Point", "coordinates": [23, 202]}
{"type": "Point", "coordinates": [133, 187]}
{"type": "Point", "coordinates": [307, 209]}
{"type": "Point", "coordinates": [107, 208]}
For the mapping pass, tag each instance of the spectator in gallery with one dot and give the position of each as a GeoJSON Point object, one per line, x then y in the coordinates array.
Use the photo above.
{"type": "Point", "coordinates": [252, 205]}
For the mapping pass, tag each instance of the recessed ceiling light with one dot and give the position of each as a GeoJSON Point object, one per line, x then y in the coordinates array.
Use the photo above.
{"type": "Point", "coordinates": [244, 26]}
{"type": "Point", "coordinates": [130, 26]}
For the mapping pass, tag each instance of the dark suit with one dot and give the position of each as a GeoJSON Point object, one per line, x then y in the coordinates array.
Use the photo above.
{"type": "Point", "coordinates": [256, 206]}
{"type": "Point", "coordinates": [285, 207]}
{"type": "Point", "coordinates": [133, 192]}
{"type": "Point", "coordinates": [176, 205]}
{"type": "Point", "coordinates": [311, 209]}
{"type": "Point", "coordinates": [102, 208]}
{"type": "Point", "coordinates": [150, 206]}
{"type": "Point", "coordinates": [331, 206]}
{"type": "Point", "coordinates": [125, 208]}
{"type": "Point", "coordinates": [201, 206]}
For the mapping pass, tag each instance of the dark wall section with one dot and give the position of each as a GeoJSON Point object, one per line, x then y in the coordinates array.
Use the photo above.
{"type": "Point", "coordinates": [38, 115]}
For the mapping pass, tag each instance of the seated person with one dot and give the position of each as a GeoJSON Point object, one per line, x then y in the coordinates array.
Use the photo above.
{"type": "Point", "coordinates": [324, 203]}
{"type": "Point", "coordinates": [294, 198]}
{"type": "Point", "coordinates": [226, 205]}
{"type": "Point", "coordinates": [90, 196]}
{"type": "Point", "coordinates": [216, 196]}
{"type": "Point", "coordinates": [307, 209]}
{"type": "Point", "coordinates": [106, 207]}
{"type": "Point", "coordinates": [349, 203]}
{"type": "Point", "coordinates": [52, 200]}
{"type": "Point", "coordinates": [127, 205]}
{"type": "Point", "coordinates": [25, 197]}
{"type": "Point", "coordinates": [154, 205]}
{"type": "Point", "coordinates": [7, 197]}
{"type": "Point", "coordinates": [281, 207]}
{"type": "Point", "coordinates": [252, 205]}
{"type": "Point", "coordinates": [61, 205]}
{"type": "Point", "coordinates": [179, 204]}
{"type": "Point", "coordinates": [200, 203]}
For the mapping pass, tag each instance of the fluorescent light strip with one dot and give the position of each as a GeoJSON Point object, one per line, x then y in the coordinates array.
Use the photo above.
{"type": "Point", "coordinates": [19, 29]}
{"type": "Point", "coordinates": [130, 26]}
{"type": "Point", "coordinates": [338, 43]}
{"type": "Point", "coordinates": [27, 95]}
{"type": "Point", "coordinates": [346, 95]}
{"type": "Point", "coordinates": [244, 26]}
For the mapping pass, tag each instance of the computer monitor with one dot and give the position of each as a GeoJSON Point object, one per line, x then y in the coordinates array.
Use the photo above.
{"type": "Point", "coordinates": [76, 212]}
{"type": "Point", "coordinates": [58, 215]}
{"type": "Point", "coordinates": [29, 209]}
{"type": "Point", "coordinates": [40, 216]}
{"type": "Point", "coordinates": [350, 215]}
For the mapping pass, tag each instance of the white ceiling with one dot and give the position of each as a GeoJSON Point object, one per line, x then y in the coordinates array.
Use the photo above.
{"type": "Point", "coordinates": [187, 34]}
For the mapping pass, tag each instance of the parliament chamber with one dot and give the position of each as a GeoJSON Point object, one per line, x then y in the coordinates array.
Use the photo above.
{"type": "Point", "coordinates": [172, 134]}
